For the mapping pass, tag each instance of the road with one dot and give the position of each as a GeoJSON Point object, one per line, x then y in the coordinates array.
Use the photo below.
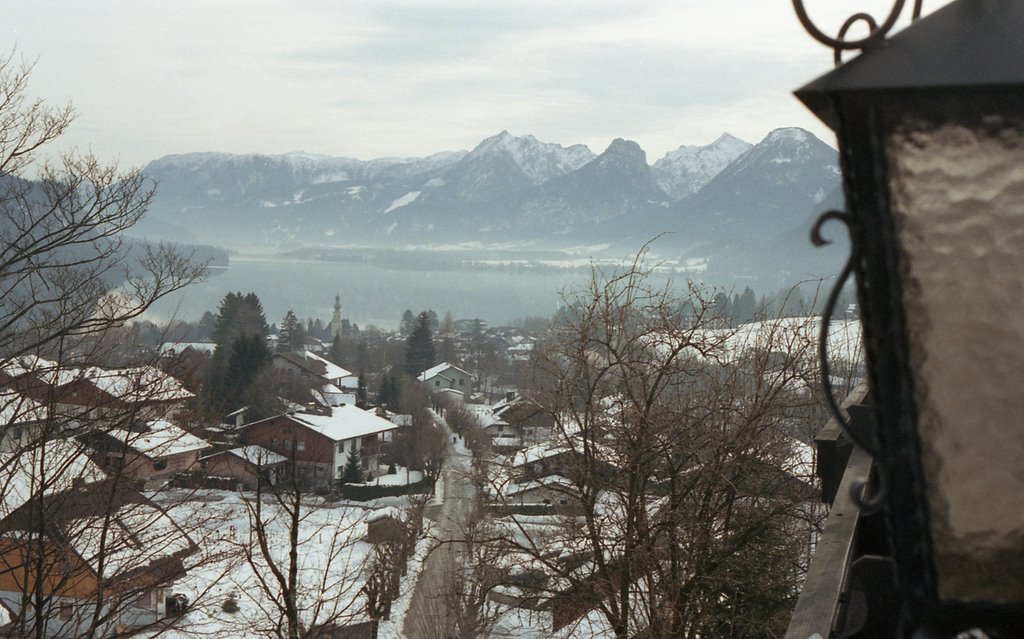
{"type": "Point", "coordinates": [430, 614]}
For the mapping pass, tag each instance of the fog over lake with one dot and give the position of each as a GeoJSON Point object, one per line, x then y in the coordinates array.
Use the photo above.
{"type": "Point", "coordinates": [376, 292]}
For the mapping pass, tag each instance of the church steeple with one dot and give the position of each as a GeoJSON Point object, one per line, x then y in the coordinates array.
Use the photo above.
{"type": "Point", "coordinates": [336, 319]}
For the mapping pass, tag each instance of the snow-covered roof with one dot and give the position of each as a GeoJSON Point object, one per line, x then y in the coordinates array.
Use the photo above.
{"type": "Point", "coordinates": [173, 348]}
{"type": "Point", "coordinates": [316, 365]}
{"type": "Point", "coordinates": [45, 370]}
{"type": "Point", "coordinates": [484, 415]}
{"type": "Point", "coordinates": [163, 439]}
{"type": "Point", "coordinates": [47, 468]}
{"type": "Point", "coordinates": [334, 396]}
{"type": "Point", "coordinates": [345, 422]}
{"type": "Point", "coordinates": [381, 513]}
{"type": "Point", "coordinates": [18, 409]}
{"type": "Point", "coordinates": [255, 455]}
{"type": "Point", "coordinates": [434, 371]}
{"type": "Point", "coordinates": [143, 383]}
{"type": "Point", "coordinates": [135, 535]}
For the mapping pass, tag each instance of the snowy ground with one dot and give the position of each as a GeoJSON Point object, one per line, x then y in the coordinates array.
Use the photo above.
{"type": "Point", "coordinates": [332, 557]}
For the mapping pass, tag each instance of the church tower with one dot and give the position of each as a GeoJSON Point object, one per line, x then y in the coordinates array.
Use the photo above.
{"type": "Point", "coordinates": [336, 319]}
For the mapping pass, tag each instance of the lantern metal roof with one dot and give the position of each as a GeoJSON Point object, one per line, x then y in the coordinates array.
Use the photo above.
{"type": "Point", "coordinates": [968, 43]}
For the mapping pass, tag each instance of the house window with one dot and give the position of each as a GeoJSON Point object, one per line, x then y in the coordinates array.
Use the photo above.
{"type": "Point", "coordinates": [160, 464]}
{"type": "Point", "coordinates": [287, 444]}
{"type": "Point", "coordinates": [437, 382]}
{"type": "Point", "coordinates": [462, 381]}
{"type": "Point", "coordinates": [300, 446]}
{"type": "Point", "coordinates": [353, 445]}
{"type": "Point", "coordinates": [65, 610]}
{"type": "Point", "coordinates": [320, 470]}
{"type": "Point", "coordinates": [274, 443]}
{"type": "Point", "coordinates": [341, 447]}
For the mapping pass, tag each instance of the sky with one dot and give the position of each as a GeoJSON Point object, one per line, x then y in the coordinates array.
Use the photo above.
{"type": "Point", "coordinates": [406, 78]}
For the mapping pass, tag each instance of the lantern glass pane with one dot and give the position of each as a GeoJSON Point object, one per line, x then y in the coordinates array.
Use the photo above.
{"type": "Point", "coordinates": [958, 207]}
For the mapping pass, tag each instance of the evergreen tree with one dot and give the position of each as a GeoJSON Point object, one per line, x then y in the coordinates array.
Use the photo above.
{"type": "Point", "coordinates": [390, 391]}
{"type": "Point", "coordinates": [239, 317]}
{"type": "Point", "coordinates": [419, 347]}
{"type": "Point", "coordinates": [406, 325]}
{"type": "Point", "coordinates": [432, 315]}
{"type": "Point", "coordinates": [288, 333]}
{"type": "Point", "coordinates": [746, 308]}
{"type": "Point", "coordinates": [335, 353]}
{"type": "Point", "coordinates": [361, 390]}
{"type": "Point", "coordinates": [248, 356]}
{"type": "Point", "coordinates": [353, 473]}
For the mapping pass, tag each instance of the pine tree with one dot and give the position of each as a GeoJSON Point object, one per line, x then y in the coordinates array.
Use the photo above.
{"type": "Point", "coordinates": [248, 356]}
{"type": "Point", "coordinates": [335, 354]}
{"type": "Point", "coordinates": [353, 473]}
{"type": "Point", "coordinates": [288, 333]}
{"type": "Point", "coordinates": [406, 325]}
{"type": "Point", "coordinates": [361, 390]}
{"type": "Point", "coordinates": [419, 347]}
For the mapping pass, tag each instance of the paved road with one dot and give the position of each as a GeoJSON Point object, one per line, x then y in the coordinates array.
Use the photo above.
{"type": "Point", "coordinates": [429, 615]}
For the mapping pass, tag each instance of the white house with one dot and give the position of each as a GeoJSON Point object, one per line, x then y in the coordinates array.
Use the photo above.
{"type": "Point", "coordinates": [447, 376]}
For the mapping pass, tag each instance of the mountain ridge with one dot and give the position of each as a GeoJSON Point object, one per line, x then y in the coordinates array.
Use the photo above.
{"type": "Point", "coordinates": [509, 190]}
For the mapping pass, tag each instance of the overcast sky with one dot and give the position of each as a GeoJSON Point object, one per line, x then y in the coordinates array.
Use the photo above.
{"type": "Point", "coordinates": [376, 78]}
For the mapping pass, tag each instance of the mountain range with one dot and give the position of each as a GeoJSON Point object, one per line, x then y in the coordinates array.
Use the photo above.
{"type": "Point", "coordinates": [731, 204]}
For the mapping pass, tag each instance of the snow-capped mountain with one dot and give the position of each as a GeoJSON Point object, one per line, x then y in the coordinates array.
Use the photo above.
{"type": "Point", "coordinates": [773, 186]}
{"type": "Point", "coordinates": [604, 196]}
{"type": "Point", "coordinates": [507, 190]}
{"type": "Point", "coordinates": [539, 161]}
{"type": "Point", "coordinates": [686, 170]}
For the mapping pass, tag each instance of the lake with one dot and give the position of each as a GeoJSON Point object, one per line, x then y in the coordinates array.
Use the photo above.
{"type": "Point", "coordinates": [375, 292]}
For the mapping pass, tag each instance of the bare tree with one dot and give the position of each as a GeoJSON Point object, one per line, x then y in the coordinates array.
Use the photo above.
{"type": "Point", "coordinates": [71, 531]}
{"type": "Point", "coordinates": [296, 594]}
{"type": "Point", "coordinates": [683, 508]}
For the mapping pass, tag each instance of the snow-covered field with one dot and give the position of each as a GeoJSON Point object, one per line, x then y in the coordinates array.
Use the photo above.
{"type": "Point", "coordinates": [332, 557]}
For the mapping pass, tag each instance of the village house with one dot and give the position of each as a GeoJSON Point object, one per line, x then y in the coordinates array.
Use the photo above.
{"type": "Point", "coordinates": [320, 440]}
{"type": "Point", "coordinates": [151, 451]}
{"type": "Point", "coordinates": [447, 376]}
{"type": "Point", "coordinates": [23, 419]}
{"type": "Point", "coordinates": [103, 545]}
{"type": "Point", "coordinates": [247, 466]}
{"type": "Point", "coordinates": [333, 383]}
{"type": "Point", "coordinates": [84, 396]}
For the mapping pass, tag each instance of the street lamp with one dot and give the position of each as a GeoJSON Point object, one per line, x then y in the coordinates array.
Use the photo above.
{"type": "Point", "coordinates": [930, 125]}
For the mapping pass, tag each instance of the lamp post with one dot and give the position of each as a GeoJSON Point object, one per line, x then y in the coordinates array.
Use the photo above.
{"type": "Point", "coordinates": [930, 125]}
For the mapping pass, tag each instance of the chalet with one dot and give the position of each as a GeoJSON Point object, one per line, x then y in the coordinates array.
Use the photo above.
{"type": "Point", "coordinates": [94, 393]}
{"type": "Point", "coordinates": [23, 420]}
{"type": "Point", "coordinates": [312, 366]}
{"type": "Point", "coordinates": [248, 466]}
{"type": "Point", "coordinates": [103, 546]}
{"type": "Point", "coordinates": [502, 435]}
{"type": "Point", "coordinates": [320, 441]}
{"type": "Point", "coordinates": [513, 422]}
{"type": "Point", "coordinates": [154, 450]}
{"type": "Point", "coordinates": [446, 376]}
{"type": "Point", "coordinates": [333, 384]}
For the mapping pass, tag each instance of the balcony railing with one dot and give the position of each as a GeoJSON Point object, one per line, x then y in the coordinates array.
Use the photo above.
{"type": "Point", "coordinates": [850, 572]}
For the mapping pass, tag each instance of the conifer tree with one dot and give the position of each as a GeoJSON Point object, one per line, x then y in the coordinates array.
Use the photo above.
{"type": "Point", "coordinates": [353, 473]}
{"type": "Point", "coordinates": [419, 347]}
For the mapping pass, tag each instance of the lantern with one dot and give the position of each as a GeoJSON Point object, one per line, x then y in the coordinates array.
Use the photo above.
{"type": "Point", "coordinates": [930, 125]}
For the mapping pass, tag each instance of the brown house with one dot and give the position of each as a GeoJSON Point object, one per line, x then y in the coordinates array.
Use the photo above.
{"type": "Point", "coordinates": [246, 465]}
{"type": "Point", "coordinates": [99, 544]}
{"type": "Point", "coordinates": [93, 393]}
{"type": "Point", "coordinates": [321, 441]}
{"type": "Point", "coordinates": [153, 450]}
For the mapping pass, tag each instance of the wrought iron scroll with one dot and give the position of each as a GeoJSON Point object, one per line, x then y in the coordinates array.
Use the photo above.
{"type": "Point", "coordinates": [858, 491]}
{"type": "Point", "coordinates": [876, 32]}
